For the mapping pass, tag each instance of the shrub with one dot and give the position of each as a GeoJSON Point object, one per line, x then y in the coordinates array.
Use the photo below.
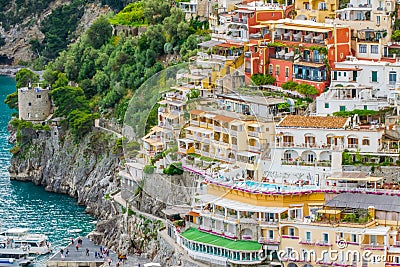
{"type": "Point", "coordinates": [260, 79]}
{"type": "Point", "coordinates": [149, 169]}
{"type": "Point", "coordinates": [174, 169]}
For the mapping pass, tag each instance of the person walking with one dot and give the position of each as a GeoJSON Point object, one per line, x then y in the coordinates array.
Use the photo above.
{"type": "Point", "coordinates": [87, 252]}
{"type": "Point", "coordinates": [109, 261]}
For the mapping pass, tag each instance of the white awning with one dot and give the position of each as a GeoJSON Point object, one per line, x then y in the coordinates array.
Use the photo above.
{"type": "Point", "coordinates": [239, 206]}
{"type": "Point", "coordinates": [247, 154]}
{"type": "Point", "coordinates": [245, 11]}
{"type": "Point", "coordinates": [185, 140]}
{"type": "Point", "coordinates": [302, 28]}
{"type": "Point", "coordinates": [377, 230]}
{"type": "Point", "coordinates": [199, 130]}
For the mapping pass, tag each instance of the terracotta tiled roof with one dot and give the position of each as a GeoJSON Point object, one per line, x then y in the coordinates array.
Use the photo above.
{"type": "Point", "coordinates": [313, 122]}
{"type": "Point", "coordinates": [224, 118]}
{"type": "Point", "coordinates": [197, 112]}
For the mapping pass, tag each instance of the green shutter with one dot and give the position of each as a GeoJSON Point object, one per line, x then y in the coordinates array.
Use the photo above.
{"type": "Point", "coordinates": [374, 76]}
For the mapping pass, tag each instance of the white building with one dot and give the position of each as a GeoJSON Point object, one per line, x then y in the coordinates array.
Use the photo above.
{"type": "Point", "coordinates": [345, 94]}
{"type": "Point", "coordinates": [384, 77]}
{"type": "Point", "coordinates": [315, 143]}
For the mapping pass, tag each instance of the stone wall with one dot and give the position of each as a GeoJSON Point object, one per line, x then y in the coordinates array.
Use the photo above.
{"type": "Point", "coordinates": [34, 104]}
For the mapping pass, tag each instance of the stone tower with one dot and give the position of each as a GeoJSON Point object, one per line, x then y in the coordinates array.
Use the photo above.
{"type": "Point", "coordinates": [34, 103]}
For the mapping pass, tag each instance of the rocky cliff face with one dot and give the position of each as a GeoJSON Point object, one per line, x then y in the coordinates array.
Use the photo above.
{"type": "Point", "coordinates": [85, 171]}
{"type": "Point", "coordinates": [17, 38]}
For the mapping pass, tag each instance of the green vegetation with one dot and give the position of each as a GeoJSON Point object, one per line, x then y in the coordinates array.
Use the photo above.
{"type": "Point", "coordinates": [109, 68]}
{"type": "Point", "coordinates": [174, 169]}
{"type": "Point", "coordinates": [149, 169]}
{"type": "Point", "coordinates": [276, 44]}
{"type": "Point", "coordinates": [131, 15]}
{"type": "Point", "coordinates": [359, 112]}
{"type": "Point", "coordinates": [304, 89]}
{"type": "Point", "coordinates": [24, 77]}
{"type": "Point", "coordinates": [260, 79]}
{"type": "Point", "coordinates": [12, 100]}
{"type": "Point", "coordinates": [59, 29]}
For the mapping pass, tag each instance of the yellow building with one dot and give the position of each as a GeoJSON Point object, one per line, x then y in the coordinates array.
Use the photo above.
{"type": "Point", "coordinates": [316, 10]}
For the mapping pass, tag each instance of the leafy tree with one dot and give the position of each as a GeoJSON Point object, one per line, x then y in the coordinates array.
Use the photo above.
{"type": "Point", "coordinates": [99, 33]}
{"type": "Point", "coordinates": [62, 80]}
{"type": "Point", "coordinates": [307, 89]}
{"type": "Point", "coordinates": [396, 36]}
{"type": "Point", "coordinates": [67, 99]}
{"type": "Point", "coordinates": [290, 85]}
{"type": "Point", "coordinates": [101, 81]}
{"type": "Point", "coordinates": [24, 77]}
{"type": "Point", "coordinates": [155, 11]}
{"type": "Point", "coordinates": [80, 122]}
{"type": "Point", "coordinates": [260, 79]}
{"type": "Point", "coordinates": [12, 100]}
{"type": "Point", "coordinates": [174, 169]}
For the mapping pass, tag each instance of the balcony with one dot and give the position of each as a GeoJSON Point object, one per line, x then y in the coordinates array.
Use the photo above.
{"type": "Point", "coordinates": [372, 247]}
{"type": "Point", "coordinates": [239, 20]}
{"type": "Point", "coordinates": [282, 57]}
{"type": "Point", "coordinates": [307, 242]}
{"type": "Point", "coordinates": [254, 134]}
{"type": "Point", "coordinates": [268, 241]}
{"type": "Point", "coordinates": [290, 237]}
{"type": "Point", "coordinates": [323, 244]}
{"type": "Point", "coordinates": [309, 78]}
{"type": "Point", "coordinates": [352, 145]}
{"type": "Point", "coordinates": [312, 60]}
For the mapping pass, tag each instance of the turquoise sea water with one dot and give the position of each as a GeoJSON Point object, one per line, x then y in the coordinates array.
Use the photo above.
{"type": "Point", "coordinates": [24, 204]}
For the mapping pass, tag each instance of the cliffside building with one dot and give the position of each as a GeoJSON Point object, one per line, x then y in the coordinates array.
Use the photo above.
{"type": "Point", "coordinates": [34, 103]}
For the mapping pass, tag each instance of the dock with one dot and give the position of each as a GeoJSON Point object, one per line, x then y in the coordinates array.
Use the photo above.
{"type": "Point", "coordinates": [78, 258]}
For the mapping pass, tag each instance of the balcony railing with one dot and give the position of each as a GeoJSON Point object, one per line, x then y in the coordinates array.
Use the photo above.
{"type": "Point", "coordinates": [307, 242]}
{"type": "Point", "coordinates": [268, 241]}
{"type": "Point", "coordinates": [309, 78]}
{"type": "Point", "coordinates": [290, 237]}
{"type": "Point", "coordinates": [283, 57]}
{"type": "Point", "coordinates": [372, 247]}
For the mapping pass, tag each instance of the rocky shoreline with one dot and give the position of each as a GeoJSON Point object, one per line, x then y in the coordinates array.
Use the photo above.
{"type": "Point", "coordinates": [9, 70]}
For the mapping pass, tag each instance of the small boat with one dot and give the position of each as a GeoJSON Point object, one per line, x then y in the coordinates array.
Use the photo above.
{"type": "Point", "coordinates": [21, 237]}
{"type": "Point", "coordinates": [13, 256]}
{"type": "Point", "coordinates": [74, 231]}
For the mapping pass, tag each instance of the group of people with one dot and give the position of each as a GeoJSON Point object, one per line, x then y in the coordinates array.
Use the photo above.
{"type": "Point", "coordinates": [103, 253]}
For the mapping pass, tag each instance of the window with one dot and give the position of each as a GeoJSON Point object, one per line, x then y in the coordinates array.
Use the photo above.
{"type": "Point", "coordinates": [291, 231]}
{"type": "Point", "coordinates": [342, 108]}
{"type": "Point", "coordinates": [362, 48]}
{"type": "Point", "coordinates": [308, 236]}
{"type": "Point", "coordinates": [271, 68]}
{"type": "Point", "coordinates": [378, 20]}
{"type": "Point", "coordinates": [287, 72]}
{"type": "Point", "coordinates": [271, 234]}
{"type": "Point", "coordinates": [344, 74]}
{"type": "Point", "coordinates": [341, 235]}
{"type": "Point", "coordinates": [374, 49]}
{"type": "Point", "coordinates": [29, 104]}
{"type": "Point", "coordinates": [365, 142]}
{"type": "Point", "coordinates": [353, 238]}
{"type": "Point", "coordinates": [374, 76]}
{"type": "Point", "coordinates": [326, 105]}
{"type": "Point", "coordinates": [340, 73]}
{"type": "Point", "coordinates": [38, 96]}
{"type": "Point", "coordinates": [325, 238]}
{"type": "Point", "coordinates": [392, 77]}
{"type": "Point", "coordinates": [277, 70]}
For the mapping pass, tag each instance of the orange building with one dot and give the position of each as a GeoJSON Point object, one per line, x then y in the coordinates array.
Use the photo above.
{"type": "Point", "coordinates": [298, 50]}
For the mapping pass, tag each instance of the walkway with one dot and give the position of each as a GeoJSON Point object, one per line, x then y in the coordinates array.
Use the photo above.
{"type": "Point", "coordinates": [79, 257]}
{"type": "Point", "coordinates": [97, 125]}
